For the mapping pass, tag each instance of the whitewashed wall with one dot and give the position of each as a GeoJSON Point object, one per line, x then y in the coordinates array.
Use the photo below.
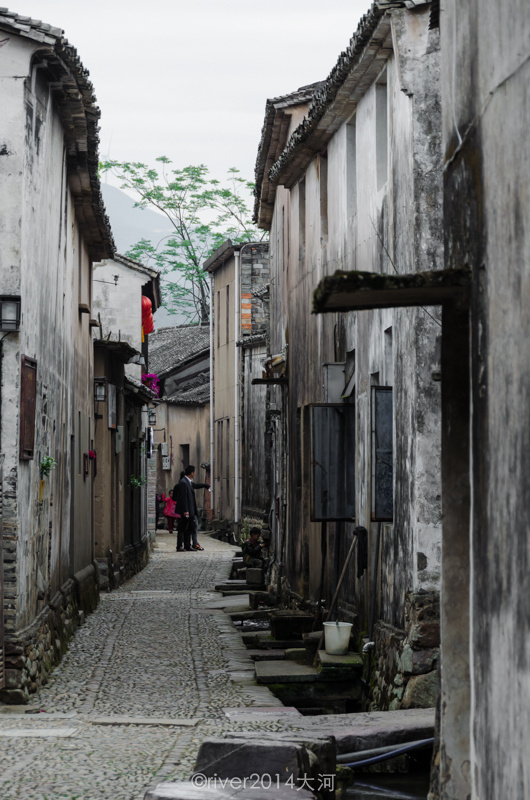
{"type": "Point", "coordinates": [43, 258]}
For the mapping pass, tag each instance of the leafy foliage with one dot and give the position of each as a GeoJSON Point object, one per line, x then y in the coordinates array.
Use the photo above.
{"type": "Point", "coordinates": [46, 465]}
{"type": "Point", "coordinates": [203, 213]}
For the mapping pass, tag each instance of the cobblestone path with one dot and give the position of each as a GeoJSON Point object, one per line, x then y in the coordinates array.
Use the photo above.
{"type": "Point", "coordinates": [153, 651]}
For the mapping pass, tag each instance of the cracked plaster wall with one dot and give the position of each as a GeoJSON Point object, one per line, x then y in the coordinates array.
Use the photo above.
{"type": "Point", "coordinates": [47, 525]}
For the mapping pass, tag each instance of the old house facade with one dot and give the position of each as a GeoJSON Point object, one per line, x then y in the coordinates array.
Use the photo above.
{"type": "Point", "coordinates": [357, 185]}
{"type": "Point", "coordinates": [180, 357]}
{"type": "Point", "coordinates": [483, 728]}
{"type": "Point", "coordinates": [123, 438]}
{"type": "Point", "coordinates": [239, 331]}
{"type": "Point", "coordinates": [53, 229]}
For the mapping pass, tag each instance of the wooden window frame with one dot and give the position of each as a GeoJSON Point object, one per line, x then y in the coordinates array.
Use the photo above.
{"type": "Point", "coordinates": [28, 407]}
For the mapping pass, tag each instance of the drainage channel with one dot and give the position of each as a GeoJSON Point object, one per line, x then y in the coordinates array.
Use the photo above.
{"type": "Point", "coordinates": [290, 662]}
{"type": "Point", "coordinates": [413, 786]}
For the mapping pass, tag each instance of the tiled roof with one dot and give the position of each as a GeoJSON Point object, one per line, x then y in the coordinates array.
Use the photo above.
{"type": "Point", "coordinates": [336, 97]}
{"type": "Point", "coordinates": [252, 341]}
{"type": "Point", "coordinates": [131, 263]}
{"type": "Point", "coordinates": [273, 138]}
{"type": "Point", "coordinates": [197, 392]}
{"type": "Point", "coordinates": [75, 101]}
{"type": "Point", "coordinates": [171, 347]}
{"type": "Point", "coordinates": [139, 390]}
{"type": "Point", "coordinates": [31, 28]}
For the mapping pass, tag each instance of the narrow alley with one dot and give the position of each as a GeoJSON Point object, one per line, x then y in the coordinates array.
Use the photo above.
{"type": "Point", "coordinates": [153, 654]}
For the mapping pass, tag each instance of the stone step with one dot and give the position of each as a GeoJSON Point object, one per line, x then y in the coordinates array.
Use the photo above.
{"type": "Point", "coordinates": [263, 640]}
{"type": "Point", "coordinates": [287, 672]}
{"type": "Point", "coordinates": [236, 603]}
{"type": "Point", "coordinates": [229, 584]}
{"type": "Point", "coordinates": [265, 655]}
{"type": "Point", "coordinates": [340, 666]}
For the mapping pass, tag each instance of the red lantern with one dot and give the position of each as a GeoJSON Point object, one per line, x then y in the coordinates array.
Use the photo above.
{"type": "Point", "coordinates": [147, 316]}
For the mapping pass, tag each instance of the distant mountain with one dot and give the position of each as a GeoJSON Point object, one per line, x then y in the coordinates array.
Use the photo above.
{"type": "Point", "coordinates": [129, 225]}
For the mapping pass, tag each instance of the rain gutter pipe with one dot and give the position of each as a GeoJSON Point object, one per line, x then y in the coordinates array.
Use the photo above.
{"type": "Point", "coordinates": [237, 334]}
{"type": "Point", "coordinates": [366, 681]}
{"type": "Point", "coordinates": [212, 479]}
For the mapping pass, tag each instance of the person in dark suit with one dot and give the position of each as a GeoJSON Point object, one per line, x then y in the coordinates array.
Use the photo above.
{"type": "Point", "coordinates": [194, 528]}
{"type": "Point", "coordinates": [186, 506]}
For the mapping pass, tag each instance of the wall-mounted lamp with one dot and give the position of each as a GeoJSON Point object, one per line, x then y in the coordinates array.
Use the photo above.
{"type": "Point", "coordinates": [100, 390]}
{"type": "Point", "coordinates": [151, 417]}
{"type": "Point", "coordinates": [9, 313]}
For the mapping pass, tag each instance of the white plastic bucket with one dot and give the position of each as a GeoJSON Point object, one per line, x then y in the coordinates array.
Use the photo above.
{"type": "Point", "coordinates": [337, 637]}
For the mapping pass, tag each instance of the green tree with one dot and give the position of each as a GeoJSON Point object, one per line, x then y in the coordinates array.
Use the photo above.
{"type": "Point", "coordinates": [203, 212]}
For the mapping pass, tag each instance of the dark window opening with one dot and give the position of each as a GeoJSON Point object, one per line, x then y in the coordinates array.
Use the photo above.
{"type": "Point", "coordinates": [382, 454]}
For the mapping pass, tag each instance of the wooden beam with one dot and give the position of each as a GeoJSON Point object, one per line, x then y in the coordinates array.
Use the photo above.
{"type": "Point", "coordinates": [357, 291]}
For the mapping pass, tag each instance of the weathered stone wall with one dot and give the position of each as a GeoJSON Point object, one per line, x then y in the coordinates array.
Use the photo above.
{"type": "Point", "coordinates": [405, 673]}
{"type": "Point", "coordinates": [254, 266]}
{"type": "Point", "coordinates": [31, 654]}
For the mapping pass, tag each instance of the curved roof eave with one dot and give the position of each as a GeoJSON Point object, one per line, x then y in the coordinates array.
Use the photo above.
{"type": "Point", "coordinates": [337, 97]}
{"type": "Point", "coordinates": [76, 104]}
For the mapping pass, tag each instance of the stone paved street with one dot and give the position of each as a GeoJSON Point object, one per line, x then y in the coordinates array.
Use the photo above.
{"type": "Point", "coordinates": [153, 651]}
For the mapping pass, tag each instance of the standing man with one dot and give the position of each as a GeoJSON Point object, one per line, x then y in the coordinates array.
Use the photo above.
{"type": "Point", "coordinates": [195, 527]}
{"type": "Point", "coordinates": [186, 506]}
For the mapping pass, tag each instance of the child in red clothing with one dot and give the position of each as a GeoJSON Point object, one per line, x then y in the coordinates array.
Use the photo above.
{"type": "Point", "coordinates": [169, 510]}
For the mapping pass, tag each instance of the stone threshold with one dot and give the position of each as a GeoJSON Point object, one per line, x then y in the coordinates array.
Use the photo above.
{"type": "Point", "coordinates": [168, 722]}
{"type": "Point", "coordinates": [37, 733]}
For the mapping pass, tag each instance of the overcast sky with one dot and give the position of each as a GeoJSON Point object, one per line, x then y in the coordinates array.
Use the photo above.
{"type": "Point", "coordinates": [189, 78]}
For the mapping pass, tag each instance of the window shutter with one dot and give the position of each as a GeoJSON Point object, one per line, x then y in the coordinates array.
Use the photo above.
{"type": "Point", "coordinates": [111, 406]}
{"type": "Point", "coordinates": [28, 401]}
{"type": "Point", "coordinates": [332, 462]}
{"type": "Point", "coordinates": [382, 454]}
